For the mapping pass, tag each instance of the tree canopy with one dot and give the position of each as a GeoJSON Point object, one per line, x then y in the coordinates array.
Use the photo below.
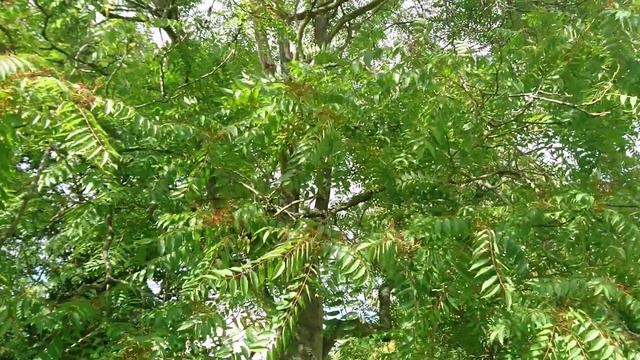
{"type": "Point", "coordinates": [319, 179]}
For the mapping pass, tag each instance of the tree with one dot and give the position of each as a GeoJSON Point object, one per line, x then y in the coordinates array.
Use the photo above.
{"type": "Point", "coordinates": [337, 179]}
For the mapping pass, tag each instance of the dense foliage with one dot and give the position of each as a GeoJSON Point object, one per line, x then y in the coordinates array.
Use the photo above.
{"type": "Point", "coordinates": [339, 179]}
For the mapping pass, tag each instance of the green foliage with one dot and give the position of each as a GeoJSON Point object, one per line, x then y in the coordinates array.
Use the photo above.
{"type": "Point", "coordinates": [337, 180]}
{"type": "Point", "coordinates": [489, 269]}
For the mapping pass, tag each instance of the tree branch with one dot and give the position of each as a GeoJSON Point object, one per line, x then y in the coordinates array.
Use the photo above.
{"type": "Point", "coordinates": [561, 102]}
{"type": "Point", "coordinates": [501, 173]}
{"type": "Point", "coordinates": [53, 46]}
{"type": "Point", "coordinates": [106, 247]}
{"type": "Point", "coordinates": [177, 92]}
{"type": "Point", "coordinates": [162, 14]}
{"type": "Point", "coordinates": [300, 32]}
{"type": "Point", "coordinates": [10, 38]}
{"type": "Point", "coordinates": [262, 47]}
{"type": "Point", "coordinates": [345, 205]}
{"type": "Point", "coordinates": [321, 9]}
{"type": "Point", "coordinates": [353, 15]}
{"type": "Point", "coordinates": [355, 200]}
{"type": "Point", "coordinates": [111, 15]}
{"type": "Point", "coordinates": [337, 329]}
{"type": "Point", "coordinates": [630, 206]}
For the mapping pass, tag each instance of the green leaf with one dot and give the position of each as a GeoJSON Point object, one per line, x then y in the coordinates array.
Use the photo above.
{"type": "Point", "coordinates": [244, 285]}
{"type": "Point", "coordinates": [592, 334]}
{"type": "Point", "coordinates": [361, 272]}
{"type": "Point", "coordinates": [161, 246]}
{"type": "Point", "coordinates": [479, 263]}
{"type": "Point", "coordinates": [490, 281]}
{"type": "Point", "coordinates": [280, 269]}
{"type": "Point", "coordinates": [599, 344]}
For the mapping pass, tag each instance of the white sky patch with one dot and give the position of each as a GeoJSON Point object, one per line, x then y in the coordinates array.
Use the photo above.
{"type": "Point", "coordinates": [154, 286]}
{"type": "Point", "coordinates": [159, 36]}
{"type": "Point", "coordinates": [99, 17]}
{"type": "Point", "coordinates": [634, 141]}
{"type": "Point", "coordinates": [208, 6]}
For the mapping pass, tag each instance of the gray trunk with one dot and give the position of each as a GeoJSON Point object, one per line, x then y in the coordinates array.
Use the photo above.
{"type": "Point", "coordinates": [320, 32]}
{"type": "Point", "coordinates": [308, 341]}
{"type": "Point", "coordinates": [262, 48]}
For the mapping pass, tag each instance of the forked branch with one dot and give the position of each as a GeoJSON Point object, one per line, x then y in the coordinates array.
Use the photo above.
{"type": "Point", "coordinates": [338, 329]}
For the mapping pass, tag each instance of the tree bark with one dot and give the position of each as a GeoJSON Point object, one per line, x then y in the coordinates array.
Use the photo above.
{"type": "Point", "coordinates": [262, 48]}
{"type": "Point", "coordinates": [284, 49]}
{"type": "Point", "coordinates": [308, 341]}
{"type": "Point", "coordinates": [321, 34]}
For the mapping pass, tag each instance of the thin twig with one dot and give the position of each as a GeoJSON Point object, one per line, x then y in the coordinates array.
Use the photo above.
{"type": "Point", "coordinates": [178, 92]}
{"type": "Point", "coordinates": [284, 209]}
{"type": "Point", "coordinates": [53, 46]}
{"type": "Point", "coordinates": [106, 247]}
{"type": "Point", "coordinates": [561, 102]}
{"type": "Point", "coordinates": [118, 67]}
{"type": "Point", "coordinates": [90, 334]}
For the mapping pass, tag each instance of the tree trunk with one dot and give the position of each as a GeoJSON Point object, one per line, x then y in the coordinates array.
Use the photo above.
{"type": "Point", "coordinates": [320, 32]}
{"type": "Point", "coordinates": [284, 49]}
{"type": "Point", "coordinates": [262, 48]}
{"type": "Point", "coordinates": [308, 341]}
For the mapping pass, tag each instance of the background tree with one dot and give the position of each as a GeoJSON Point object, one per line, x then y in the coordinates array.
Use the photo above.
{"type": "Point", "coordinates": [319, 179]}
